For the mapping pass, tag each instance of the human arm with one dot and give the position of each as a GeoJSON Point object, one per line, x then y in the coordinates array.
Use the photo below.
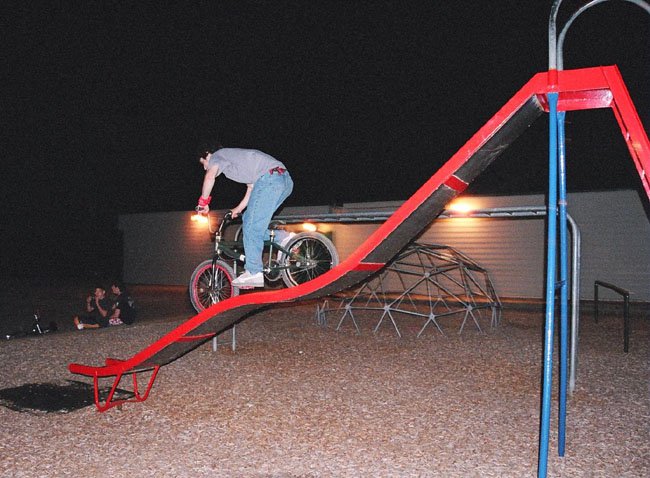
{"type": "Point", "coordinates": [115, 314]}
{"type": "Point", "coordinates": [102, 306]}
{"type": "Point", "coordinates": [237, 210]}
{"type": "Point", "coordinates": [208, 183]}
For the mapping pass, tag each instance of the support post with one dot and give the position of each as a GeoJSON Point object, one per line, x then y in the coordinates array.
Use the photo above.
{"type": "Point", "coordinates": [551, 256]}
{"type": "Point", "coordinates": [564, 277]}
{"type": "Point", "coordinates": [626, 309]}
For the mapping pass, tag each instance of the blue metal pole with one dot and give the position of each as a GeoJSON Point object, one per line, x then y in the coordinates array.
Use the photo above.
{"type": "Point", "coordinates": [551, 254]}
{"type": "Point", "coordinates": [564, 285]}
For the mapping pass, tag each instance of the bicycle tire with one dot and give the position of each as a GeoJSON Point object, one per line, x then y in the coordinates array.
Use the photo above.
{"type": "Point", "coordinates": [312, 254]}
{"type": "Point", "coordinates": [204, 291]}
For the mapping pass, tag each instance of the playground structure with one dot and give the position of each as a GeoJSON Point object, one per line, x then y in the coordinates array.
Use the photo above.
{"type": "Point", "coordinates": [424, 280]}
{"type": "Point", "coordinates": [555, 92]}
{"type": "Point", "coordinates": [569, 90]}
{"type": "Point", "coordinates": [557, 247]}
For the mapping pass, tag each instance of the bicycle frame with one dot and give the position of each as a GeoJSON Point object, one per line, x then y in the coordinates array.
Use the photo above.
{"type": "Point", "coordinates": [233, 250]}
{"type": "Point", "coordinates": [298, 258]}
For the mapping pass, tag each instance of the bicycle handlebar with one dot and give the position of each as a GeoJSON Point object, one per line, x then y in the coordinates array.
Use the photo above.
{"type": "Point", "coordinates": [227, 219]}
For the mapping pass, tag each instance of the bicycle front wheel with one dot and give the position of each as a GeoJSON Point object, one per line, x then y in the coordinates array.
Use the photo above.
{"type": "Point", "coordinates": [211, 282]}
{"type": "Point", "coordinates": [311, 254]}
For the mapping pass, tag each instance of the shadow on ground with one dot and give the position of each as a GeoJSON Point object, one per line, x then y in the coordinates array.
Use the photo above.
{"type": "Point", "coordinates": [40, 398]}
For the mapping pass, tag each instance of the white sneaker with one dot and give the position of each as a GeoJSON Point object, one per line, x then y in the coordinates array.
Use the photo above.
{"type": "Point", "coordinates": [248, 280]}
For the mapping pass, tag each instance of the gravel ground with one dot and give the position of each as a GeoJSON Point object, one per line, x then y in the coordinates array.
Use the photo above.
{"type": "Point", "coordinates": [298, 400]}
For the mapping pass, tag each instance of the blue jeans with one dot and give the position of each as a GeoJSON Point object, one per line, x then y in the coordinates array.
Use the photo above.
{"type": "Point", "coordinates": [269, 192]}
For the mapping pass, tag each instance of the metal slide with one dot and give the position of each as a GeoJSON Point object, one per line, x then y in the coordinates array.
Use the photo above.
{"type": "Point", "coordinates": [590, 88]}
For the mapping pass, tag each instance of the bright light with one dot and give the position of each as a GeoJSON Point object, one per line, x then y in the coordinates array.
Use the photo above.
{"type": "Point", "coordinates": [462, 206]}
{"type": "Point", "coordinates": [308, 226]}
{"type": "Point", "coordinates": [200, 218]}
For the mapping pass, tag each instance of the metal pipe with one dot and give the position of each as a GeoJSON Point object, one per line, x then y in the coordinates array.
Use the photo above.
{"type": "Point", "coordinates": [626, 309]}
{"type": "Point", "coordinates": [564, 287]}
{"type": "Point", "coordinates": [556, 62]}
{"type": "Point", "coordinates": [626, 323]}
{"type": "Point", "coordinates": [560, 40]}
{"type": "Point", "coordinates": [575, 300]}
{"type": "Point", "coordinates": [551, 257]}
{"type": "Point", "coordinates": [552, 36]}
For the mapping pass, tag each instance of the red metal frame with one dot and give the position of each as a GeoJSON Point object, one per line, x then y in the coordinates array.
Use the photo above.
{"type": "Point", "coordinates": [119, 365]}
{"type": "Point", "coordinates": [600, 87]}
{"type": "Point", "coordinates": [631, 127]}
{"type": "Point", "coordinates": [109, 402]}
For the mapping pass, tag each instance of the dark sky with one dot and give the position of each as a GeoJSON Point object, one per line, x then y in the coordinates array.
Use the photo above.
{"type": "Point", "coordinates": [105, 102]}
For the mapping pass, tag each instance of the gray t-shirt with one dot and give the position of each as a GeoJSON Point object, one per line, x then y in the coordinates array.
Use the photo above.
{"type": "Point", "coordinates": [243, 165]}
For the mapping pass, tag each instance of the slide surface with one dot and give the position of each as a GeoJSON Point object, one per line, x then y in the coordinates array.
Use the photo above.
{"type": "Point", "coordinates": [600, 87]}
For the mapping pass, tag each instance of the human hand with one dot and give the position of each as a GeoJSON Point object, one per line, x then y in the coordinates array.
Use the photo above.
{"type": "Point", "coordinates": [202, 209]}
{"type": "Point", "coordinates": [203, 206]}
{"type": "Point", "coordinates": [234, 213]}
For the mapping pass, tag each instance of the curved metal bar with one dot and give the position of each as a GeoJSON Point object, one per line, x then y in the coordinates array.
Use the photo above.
{"type": "Point", "coordinates": [559, 44]}
{"type": "Point", "coordinates": [552, 36]}
{"type": "Point", "coordinates": [575, 300]}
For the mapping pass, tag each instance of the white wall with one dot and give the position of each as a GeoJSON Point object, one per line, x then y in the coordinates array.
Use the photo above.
{"type": "Point", "coordinates": [164, 248]}
{"type": "Point", "coordinates": [615, 239]}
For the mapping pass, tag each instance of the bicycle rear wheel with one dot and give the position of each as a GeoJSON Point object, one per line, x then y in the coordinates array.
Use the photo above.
{"type": "Point", "coordinates": [311, 254]}
{"type": "Point", "coordinates": [211, 282]}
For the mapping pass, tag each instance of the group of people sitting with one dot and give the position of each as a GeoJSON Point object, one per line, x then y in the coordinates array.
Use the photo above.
{"type": "Point", "coordinates": [102, 311]}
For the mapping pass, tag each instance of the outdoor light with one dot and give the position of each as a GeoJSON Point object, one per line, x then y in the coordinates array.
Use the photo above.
{"type": "Point", "coordinates": [200, 218]}
{"type": "Point", "coordinates": [308, 226]}
{"type": "Point", "coordinates": [461, 206]}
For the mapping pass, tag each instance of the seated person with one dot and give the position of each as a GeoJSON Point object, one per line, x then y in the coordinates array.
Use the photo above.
{"type": "Point", "coordinates": [123, 306]}
{"type": "Point", "coordinates": [97, 309]}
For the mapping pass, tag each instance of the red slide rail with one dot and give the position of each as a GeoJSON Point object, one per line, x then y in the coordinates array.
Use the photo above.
{"type": "Point", "coordinates": [589, 88]}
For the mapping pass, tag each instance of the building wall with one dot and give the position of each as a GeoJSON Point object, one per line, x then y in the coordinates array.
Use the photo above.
{"type": "Point", "coordinates": [615, 242]}
{"type": "Point", "coordinates": [512, 250]}
{"type": "Point", "coordinates": [164, 248]}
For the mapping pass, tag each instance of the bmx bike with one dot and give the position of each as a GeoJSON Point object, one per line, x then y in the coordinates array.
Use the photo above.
{"type": "Point", "coordinates": [35, 329]}
{"type": "Point", "coordinates": [296, 260]}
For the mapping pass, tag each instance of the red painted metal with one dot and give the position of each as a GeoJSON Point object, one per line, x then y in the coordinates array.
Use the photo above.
{"type": "Point", "coordinates": [369, 266]}
{"type": "Point", "coordinates": [628, 119]}
{"type": "Point", "coordinates": [456, 184]}
{"type": "Point", "coordinates": [137, 397]}
{"type": "Point", "coordinates": [577, 89]}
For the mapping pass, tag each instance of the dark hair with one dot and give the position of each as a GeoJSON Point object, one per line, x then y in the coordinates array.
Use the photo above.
{"type": "Point", "coordinates": [119, 285]}
{"type": "Point", "coordinates": [208, 147]}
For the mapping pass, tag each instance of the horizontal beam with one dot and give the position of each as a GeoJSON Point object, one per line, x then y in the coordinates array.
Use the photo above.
{"type": "Point", "coordinates": [378, 215]}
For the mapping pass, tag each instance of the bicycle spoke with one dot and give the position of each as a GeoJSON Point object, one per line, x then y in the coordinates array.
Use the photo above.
{"type": "Point", "coordinates": [309, 259]}
{"type": "Point", "coordinates": [210, 285]}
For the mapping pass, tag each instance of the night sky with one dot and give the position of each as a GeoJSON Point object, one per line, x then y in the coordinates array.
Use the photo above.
{"type": "Point", "coordinates": [104, 104]}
